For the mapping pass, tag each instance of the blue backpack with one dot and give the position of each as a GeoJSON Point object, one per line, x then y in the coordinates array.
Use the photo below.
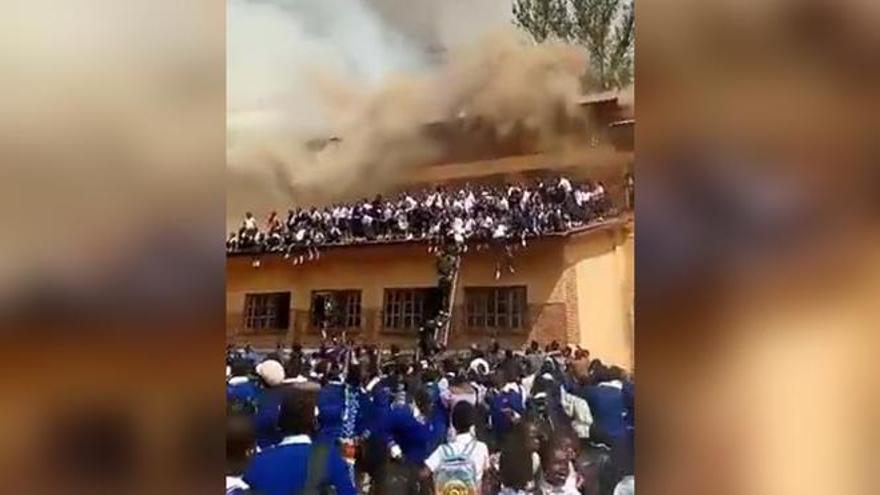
{"type": "Point", "coordinates": [456, 474]}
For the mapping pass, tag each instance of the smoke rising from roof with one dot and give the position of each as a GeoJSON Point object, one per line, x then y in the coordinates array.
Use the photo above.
{"type": "Point", "coordinates": [300, 72]}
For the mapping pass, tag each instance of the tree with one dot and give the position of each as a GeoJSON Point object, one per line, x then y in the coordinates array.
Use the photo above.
{"type": "Point", "coordinates": [605, 28]}
{"type": "Point", "coordinates": [542, 18]}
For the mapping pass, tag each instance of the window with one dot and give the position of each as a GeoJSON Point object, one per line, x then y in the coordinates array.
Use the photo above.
{"type": "Point", "coordinates": [339, 308]}
{"type": "Point", "coordinates": [495, 307]}
{"type": "Point", "coordinates": [267, 311]}
{"type": "Point", "coordinates": [404, 308]}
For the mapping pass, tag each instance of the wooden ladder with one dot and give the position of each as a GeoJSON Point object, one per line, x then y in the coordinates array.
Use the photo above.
{"type": "Point", "coordinates": [444, 331]}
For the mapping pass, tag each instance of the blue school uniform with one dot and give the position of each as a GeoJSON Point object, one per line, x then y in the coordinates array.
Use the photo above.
{"type": "Point", "coordinates": [624, 455]}
{"type": "Point", "coordinates": [331, 408]}
{"type": "Point", "coordinates": [266, 419]}
{"type": "Point", "coordinates": [283, 469]}
{"type": "Point", "coordinates": [608, 407]}
{"type": "Point", "coordinates": [507, 398]}
{"type": "Point", "coordinates": [380, 410]}
{"type": "Point", "coordinates": [242, 389]}
{"type": "Point", "coordinates": [629, 403]}
{"type": "Point", "coordinates": [414, 437]}
{"type": "Point", "coordinates": [364, 419]}
{"type": "Point", "coordinates": [439, 418]}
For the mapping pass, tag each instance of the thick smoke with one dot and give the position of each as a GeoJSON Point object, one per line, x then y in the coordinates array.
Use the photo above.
{"type": "Point", "coordinates": [447, 24]}
{"type": "Point", "coordinates": [303, 72]}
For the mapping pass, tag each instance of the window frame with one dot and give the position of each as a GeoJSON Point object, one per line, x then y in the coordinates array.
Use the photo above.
{"type": "Point", "coordinates": [351, 309]}
{"type": "Point", "coordinates": [498, 308]}
{"type": "Point", "coordinates": [267, 312]}
{"type": "Point", "coordinates": [403, 308]}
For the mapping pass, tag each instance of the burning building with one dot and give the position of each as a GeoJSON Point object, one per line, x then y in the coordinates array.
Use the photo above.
{"type": "Point", "coordinates": [574, 287]}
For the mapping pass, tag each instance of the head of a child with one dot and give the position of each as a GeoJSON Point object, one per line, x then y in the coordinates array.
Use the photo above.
{"type": "Point", "coordinates": [463, 417]}
{"type": "Point", "coordinates": [568, 441]}
{"type": "Point", "coordinates": [555, 463]}
{"type": "Point", "coordinates": [297, 412]}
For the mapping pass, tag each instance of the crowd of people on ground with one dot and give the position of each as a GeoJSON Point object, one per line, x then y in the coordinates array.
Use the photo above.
{"type": "Point", "coordinates": [483, 215]}
{"type": "Point", "coordinates": [351, 419]}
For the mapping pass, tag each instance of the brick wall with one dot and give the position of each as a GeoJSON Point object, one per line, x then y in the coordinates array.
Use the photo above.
{"type": "Point", "coordinates": [572, 321]}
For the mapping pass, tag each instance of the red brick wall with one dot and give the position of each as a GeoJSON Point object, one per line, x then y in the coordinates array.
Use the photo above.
{"type": "Point", "coordinates": [572, 322]}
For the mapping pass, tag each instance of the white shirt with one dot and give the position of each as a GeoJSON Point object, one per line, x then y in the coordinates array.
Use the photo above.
{"type": "Point", "coordinates": [627, 486]}
{"type": "Point", "coordinates": [458, 225]}
{"type": "Point", "coordinates": [480, 454]}
{"type": "Point", "coordinates": [612, 384]}
{"type": "Point", "coordinates": [235, 483]}
{"type": "Point", "coordinates": [469, 202]}
{"type": "Point", "coordinates": [565, 184]}
{"type": "Point", "coordinates": [296, 439]}
{"type": "Point", "coordinates": [565, 489]}
{"type": "Point", "coordinates": [568, 488]}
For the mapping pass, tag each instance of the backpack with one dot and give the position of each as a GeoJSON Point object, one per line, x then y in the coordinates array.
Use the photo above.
{"type": "Point", "coordinates": [456, 474]}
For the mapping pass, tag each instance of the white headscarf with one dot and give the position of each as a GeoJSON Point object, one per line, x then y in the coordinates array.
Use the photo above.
{"type": "Point", "coordinates": [271, 372]}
